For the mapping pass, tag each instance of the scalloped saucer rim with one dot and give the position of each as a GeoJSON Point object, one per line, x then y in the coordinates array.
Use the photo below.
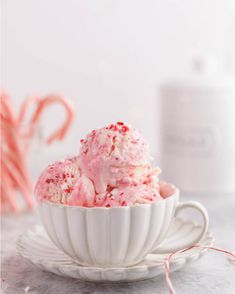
{"type": "Point", "coordinates": [36, 246]}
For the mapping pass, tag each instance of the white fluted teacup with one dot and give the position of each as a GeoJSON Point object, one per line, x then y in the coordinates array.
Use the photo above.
{"type": "Point", "coordinates": [115, 236]}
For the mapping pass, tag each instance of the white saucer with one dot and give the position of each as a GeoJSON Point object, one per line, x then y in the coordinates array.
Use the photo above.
{"type": "Point", "coordinates": [36, 246]}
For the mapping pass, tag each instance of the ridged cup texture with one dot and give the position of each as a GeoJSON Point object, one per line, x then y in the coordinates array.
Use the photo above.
{"type": "Point", "coordinates": [99, 236]}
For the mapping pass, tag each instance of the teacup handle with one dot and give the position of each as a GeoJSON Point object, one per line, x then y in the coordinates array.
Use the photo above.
{"type": "Point", "coordinates": [181, 244]}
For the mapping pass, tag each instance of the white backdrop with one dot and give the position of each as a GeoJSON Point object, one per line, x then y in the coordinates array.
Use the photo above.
{"type": "Point", "coordinates": [109, 56]}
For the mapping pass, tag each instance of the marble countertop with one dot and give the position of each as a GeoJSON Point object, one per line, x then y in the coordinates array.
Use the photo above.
{"type": "Point", "coordinates": [213, 273]}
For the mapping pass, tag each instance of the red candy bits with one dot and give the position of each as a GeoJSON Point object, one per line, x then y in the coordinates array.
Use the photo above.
{"type": "Point", "coordinates": [123, 203]}
{"type": "Point", "coordinates": [119, 126]}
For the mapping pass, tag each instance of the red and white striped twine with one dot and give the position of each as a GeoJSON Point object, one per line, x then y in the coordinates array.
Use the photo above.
{"type": "Point", "coordinates": [230, 254]}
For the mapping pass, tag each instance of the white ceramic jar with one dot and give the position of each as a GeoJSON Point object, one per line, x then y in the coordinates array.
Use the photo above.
{"type": "Point", "coordinates": [198, 132]}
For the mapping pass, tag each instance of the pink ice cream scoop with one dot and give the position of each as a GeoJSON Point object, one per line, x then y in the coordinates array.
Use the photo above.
{"type": "Point", "coordinates": [58, 180]}
{"type": "Point", "coordinates": [124, 194]}
{"type": "Point", "coordinates": [83, 193]}
{"type": "Point", "coordinates": [113, 169]}
{"type": "Point", "coordinates": [114, 154]}
{"type": "Point", "coordinates": [128, 195]}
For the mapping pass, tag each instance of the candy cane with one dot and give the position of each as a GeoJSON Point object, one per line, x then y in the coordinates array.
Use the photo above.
{"type": "Point", "coordinates": [12, 139]}
{"type": "Point", "coordinates": [7, 189]}
{"type": "Point", "coordinates": [13, 151]}
{"type": "Point", "coordinates": [59, 134]}
{"type": "Point", "coordinates": [7, 192]}
{"type": "Point", "coordinates": [41, 104]}
{"type": "Point", "coordinates": [16, 139]}
{"type": "Point", "coordinates": [25, 106]}
{"type": "Point", "coordinates": [28, 133]}
{"type": "Point", "coordinates": [13, 164]}
{"type": "Point", "coordinates": [13, 179]}
{"type": "Point", "coordinates": [6, 184]}
{"type": "Point", "coordinates": [20, 182]}
{"type": "Point", "coordinates": [18, 177]}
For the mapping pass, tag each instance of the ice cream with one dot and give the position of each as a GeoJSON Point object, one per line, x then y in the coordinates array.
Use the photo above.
{"type": "Point", "coordinates": [128, 195]}
{"type": "Point", "coordinates": [83, 193]}
{"type": "Point", "coordinates": [113, 169]}
{"type": "Point", "coordinates": [113, 155]}
{"type": "Point", "coordinates": [57, 181]}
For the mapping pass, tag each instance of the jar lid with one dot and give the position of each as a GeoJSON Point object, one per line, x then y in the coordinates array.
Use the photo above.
{"type": "Point", "coordinates": [205, 75]}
